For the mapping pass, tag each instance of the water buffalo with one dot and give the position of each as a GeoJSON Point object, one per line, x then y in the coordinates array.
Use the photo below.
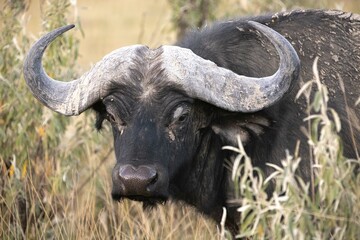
{"type": "Point", "coordinates": [173, 108]}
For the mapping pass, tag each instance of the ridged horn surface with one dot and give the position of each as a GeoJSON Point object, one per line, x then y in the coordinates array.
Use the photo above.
{"type": "Point", "coordinates": [74, 97]}
{"type": "Point", "coordinates": [204, 80]}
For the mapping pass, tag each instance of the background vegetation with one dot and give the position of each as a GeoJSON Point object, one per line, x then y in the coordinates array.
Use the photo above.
{"type": "Point", "coordinates": [55, 171]}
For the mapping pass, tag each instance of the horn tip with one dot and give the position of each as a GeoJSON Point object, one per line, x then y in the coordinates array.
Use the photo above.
{"type": "Point", "coordinates": [68, 27]}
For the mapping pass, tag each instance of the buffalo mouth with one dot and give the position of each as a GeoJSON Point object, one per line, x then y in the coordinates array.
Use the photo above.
{"type": "Point", "coordinates": [147, 201]}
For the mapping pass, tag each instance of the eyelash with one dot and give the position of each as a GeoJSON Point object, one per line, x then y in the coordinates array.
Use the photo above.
{"type": "Point", "coordinates": [183, 117]}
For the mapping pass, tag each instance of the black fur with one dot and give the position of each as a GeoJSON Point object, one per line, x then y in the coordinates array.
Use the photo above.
{"type": "Point", "coordinates": [331, 36]}
{"type": "Point", "coordinates": [187, 151]}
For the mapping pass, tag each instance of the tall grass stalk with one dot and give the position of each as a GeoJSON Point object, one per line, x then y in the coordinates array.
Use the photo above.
{"type": "Point", "coordinates": [293, 211]}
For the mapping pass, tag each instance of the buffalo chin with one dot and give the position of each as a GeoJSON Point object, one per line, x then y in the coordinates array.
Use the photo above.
{"type": "Point", "coordinates": [148, 202]}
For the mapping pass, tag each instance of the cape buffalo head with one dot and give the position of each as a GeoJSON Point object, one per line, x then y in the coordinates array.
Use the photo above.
{"type": "Point", "coordinates": [160, 103]}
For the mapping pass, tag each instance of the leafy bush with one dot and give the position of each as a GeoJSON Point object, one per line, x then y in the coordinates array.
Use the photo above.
{"type": "Point", "coordinates": [29, 134]}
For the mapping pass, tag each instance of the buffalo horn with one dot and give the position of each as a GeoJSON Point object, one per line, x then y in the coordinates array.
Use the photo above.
{"type": "Point", "coordinates": [73, 97]}
{"type": "Point", "coordinates": [204, 80]}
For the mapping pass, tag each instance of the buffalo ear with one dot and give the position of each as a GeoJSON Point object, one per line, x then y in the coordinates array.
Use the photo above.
{"type": "Point", "coordinates": [100, 111]}
{"type": "Point", "coordinates": [247, 127]}
{"type": "Point", "coordinates": [229, 133]}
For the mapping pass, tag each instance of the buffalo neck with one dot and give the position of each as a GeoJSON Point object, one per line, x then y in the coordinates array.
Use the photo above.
{"type": "Point", "coordinates": [206, 184]}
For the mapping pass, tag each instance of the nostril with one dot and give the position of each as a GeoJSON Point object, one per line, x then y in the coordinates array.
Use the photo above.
{"type": "Point", "coordinates": [138, 179]}
{"type": "Point", "coordinates": [154, 179]}
{"type": "Point", "coordinates": [127, 172]}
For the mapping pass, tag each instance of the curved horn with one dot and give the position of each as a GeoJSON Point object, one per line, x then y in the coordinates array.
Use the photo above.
{"type": "Point", "coordinates": [223, 88]}
{"type": "Point", "coordinates": [74, 97]}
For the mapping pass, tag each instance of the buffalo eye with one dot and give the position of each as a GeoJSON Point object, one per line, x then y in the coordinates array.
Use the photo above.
{"type": "Point", "coordinates": [183, 117]}
{"type": "Point", "coordinates": [181, 114]}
